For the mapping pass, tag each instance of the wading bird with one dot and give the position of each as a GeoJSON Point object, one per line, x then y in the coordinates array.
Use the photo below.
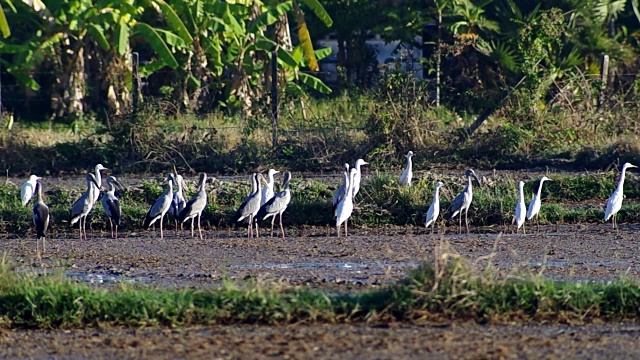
{"type": "Point", "coordinates": [345, 207]}
{"type": "Point", "coordinates": [339, 194]}
{"type": "Point", "coordinates": [98, 177]}
{"type": "Point", "coordinates": [250, 206]}
{"type": "Point", "coordinates": [28, 189]}
{"type": "Point", "coordinates": [178, 202]}
{"type": "Point", "coordinates": [40, 219]}
{"type": "Point", "coordinates": [195, 206]}
{"type": "Point", "coordinates": [434, 209]}
{"type": "Point", "coordinates": [521, 210]}
{"type": "Point", "coordinates": [358, 177]}
{"type": "Point", "coordinates": [160, 207]}
{"type": "Point", "coordinates": [111, 205]}
{"type": "Point", "coordinates": [82, 207]}
{"type": "Point", "coordinates": [407, 174]}
{"type": "Point", "coordinates": [534, 205]}
{"type": "Point", "coordinates": [267, 190]}
{"type": "Point", "coordinates": [462, 202]}
{"type": "Point", "coordinates": [615, 201]}
{"type": "Point", "coordinates": [277, 205]}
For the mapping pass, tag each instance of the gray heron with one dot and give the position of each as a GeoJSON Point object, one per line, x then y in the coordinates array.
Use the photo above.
{"type": "Point", "coordinates": [339, 194]}
{"type": "Point", "coordinates": [40, 218]}
{"type": "Point", "coordinates": [196, 205]}
{"type": "Point", "coordinates": [160, 207]}
{"type": "Point", "coordinates": [358, 177]}
{"type": "Point", "coordinates": [28, 189]}
{"type": "Point", "coordinates": [98, 176]}
{"type": "Point", "coordinates": [178, 202]}
{"type": "Point", "coordinates": [434, 209]}
{"type": "Point", "coordinates": [250, 206]}
{"type": "Point", "coordinates": [521, 210]}
{"type": "Point", "coordinates": [462, 202]}
{"type": "Point", "coordinates": [615, 201]}
{"type": "Point", "coordinates": [111, 205]}
{"type": "Point", "coordinates": [277, 205]}
{"type": "Point", "coordinates": [345, 207]}
{"type": "Point", "coordinates": [534, 205]}
{"type": "Point", "coordinates": [82, 207]}
{"type": "Point", "coordinates": [267, 191]}
{"type": "Point", "coordinates": [407, 174]}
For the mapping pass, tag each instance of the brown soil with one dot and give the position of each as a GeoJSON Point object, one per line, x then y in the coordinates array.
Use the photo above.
{"type": "Point", "coordinates": [309, 257]}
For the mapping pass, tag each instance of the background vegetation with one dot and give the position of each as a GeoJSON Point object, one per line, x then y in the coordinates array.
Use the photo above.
{"type": "Point", "coordinates": [528, 72]}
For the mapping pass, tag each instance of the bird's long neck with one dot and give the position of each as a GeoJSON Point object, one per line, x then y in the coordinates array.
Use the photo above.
{"type": "Point", "coordinates": [520, 194]}
{"type": "Point", "coordinates": [436, 195]}
{"type": "Point", "coordinates": [539, 189]}
{"type": "Point", "coordinates": [621, 181]}
{"type": "Point", "coordinates": [112, 188]}
{"type": "Point", "coordinates": [39, 190]}
{"type": "Point", "coordinates": [203, 185]}
{"type": "Point", "coordinates": [98, 179]}
{"type": "Point", "coordinates": [469, 183]}
{"type": "Point", "coordinates": [271, 181]}
{"type": "Point", "coordinates": [409, 164]}
{"type": "Point", "coordinates": [178, 186]}
{"type": "Point", "coordinates": [345, 179]}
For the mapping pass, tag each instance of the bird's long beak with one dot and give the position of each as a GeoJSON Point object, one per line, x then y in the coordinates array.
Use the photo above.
{"type": "Point", "coordinates": [477, 180]}
{"type": "Point", "coordinates": [119, 184]}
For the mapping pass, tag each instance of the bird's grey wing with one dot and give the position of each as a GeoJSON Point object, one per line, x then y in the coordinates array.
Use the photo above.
{"type": "Point", "coordinates": [277, 202]}
{"type": "Point", "coordinates": [456, 204]}
{"type": "Point", "coordinates": [337, 197]}
{"type": "Point", "coordinates": [78, 206]}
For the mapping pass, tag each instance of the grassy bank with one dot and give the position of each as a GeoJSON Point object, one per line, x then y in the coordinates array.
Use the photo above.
{"type": "Point", "coordinates": [449, 288]}
{"type": "Point", "coordinates": [575, 198]}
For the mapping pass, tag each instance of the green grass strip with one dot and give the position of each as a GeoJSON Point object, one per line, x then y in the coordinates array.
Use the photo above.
{"type": "Point", "coordinates": [451, 289]}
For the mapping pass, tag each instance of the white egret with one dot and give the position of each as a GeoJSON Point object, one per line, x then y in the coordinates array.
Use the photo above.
{"type": "Point", "coordinates": [339, 194]}
{"type": "Point", "coordinates": [462, 202]}
{"type": "Point", "coordinates": [434, 209]}
{"type": "Point", "coordinates": [267, 191]}
{"type": "Point", "coordinates": [615, 201]}
{"type": "Point", "coordinates": [358, 177]}
{"type": "Point", "coordinates": [407, 174]}
{"type": "Point", "coordinates": [28, 189]}
{"type": "Point", "coordinates": [345, 207]}
{"type": "Point", "coordinates": [534, 205]}
{"type": "Point", "coordinates": [521, 210]}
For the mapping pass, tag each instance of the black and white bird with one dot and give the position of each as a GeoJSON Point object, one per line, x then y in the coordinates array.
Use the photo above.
{"type": "Point", "coordinates": [342, 190]}
{"type": "Point", "coordinates": [267, 190]}
{"type": "Point", "coordinates": [28, 189]}
{"type": "Point", "coordinates": [98, 176]}
{"type": "Point", "coordinates": [82, 207]}
{"type": "Point", "coordinates": [250, 206]}
{"type": "Point", "coordinates": [111, 205]}
{"type": "Point", "coordinates": [178, 203]}
{"type": "Point", "coordinates": [345, 207]}
{"type": "Point", "coordinates": [358, 177]}
{"type": "Point", "coordinates": [407, 174]}
{"type": "Point", "coordinates": [277, 205]}
{"type": "Point", "coordinates": [196, 205]}
{"type": "Point", "coordinates": [160, 206]}
{"type": "Point", "coordinates": [40, 218]}
{"type": "Point", "coordinates": [462, 202]}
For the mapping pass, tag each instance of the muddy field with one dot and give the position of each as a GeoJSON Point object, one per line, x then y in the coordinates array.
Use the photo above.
{"type": "Point", "coordinates": [309, 257]}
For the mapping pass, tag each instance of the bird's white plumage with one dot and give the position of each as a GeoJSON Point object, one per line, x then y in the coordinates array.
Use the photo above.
{"type": "Point", "coordinates": [534, 205]}
{"type": "Point", "coordinates": [521, 210]}
{"type": "Point", "coordinates": [345, 207]}
{"type": "Point", "coordinates": [95, 191]}
{"type": "Point", "coordinates": [28, 188]}
{"type": "Point", "coordinates": [434, 209]}
{"type": "Point", "coordinates": [358, 177]}
{"type": "Point", "coordinates": [339, 194]}
{"type": "Point", "coordinates": [267, 190]}
{"type": "Point", "coordinates": [407, 174]}
{"type": "Point", "coordinates": [615, 200]}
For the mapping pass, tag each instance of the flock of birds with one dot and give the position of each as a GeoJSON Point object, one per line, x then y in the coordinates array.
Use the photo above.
{"type": "Point", "coordinates": [263, 203]}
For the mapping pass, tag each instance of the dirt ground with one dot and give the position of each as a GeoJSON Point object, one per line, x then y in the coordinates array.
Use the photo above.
{"type": "Point", "coordinates": [367, 259]}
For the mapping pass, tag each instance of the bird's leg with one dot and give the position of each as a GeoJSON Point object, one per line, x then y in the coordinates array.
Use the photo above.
{"type": "Point", "coordinates": [273, 221]}
{"type": "Point", "coordinates": [460, 223]}
{"type": "Point", "coordinates": [466, 220]}
{"type": "Point", "coordinates": [338, 228]}
{"type": "Point", "coordinates": [346, 234]}
{"type": "Point", "coordinates": [257, 233]}
{"type": "Point", "coordinates": [44, 239]}
{"type": "Point", "coordinates": [199, 228]}
{"type": "Point", "coordinates": [192, 220]}
{"type": "Point", "coordinates": [257, 229]}
{"type": "Point", "coordinates": [433, 227]}
{"type": "Point", "coordinates": [249, 228]}
{"type": "Point", "coordinates": [281, 227]}
{"type": "Point", "coordinates": [161, 234]}
{"type": "Point", "coordinates": [524, 229]}
{"type": "Point", "coordinates": [538, 223]}
{"type": "Point", "coordinates": [116, 231]}
{"type": "Point", "coordinates": [110, 226]}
